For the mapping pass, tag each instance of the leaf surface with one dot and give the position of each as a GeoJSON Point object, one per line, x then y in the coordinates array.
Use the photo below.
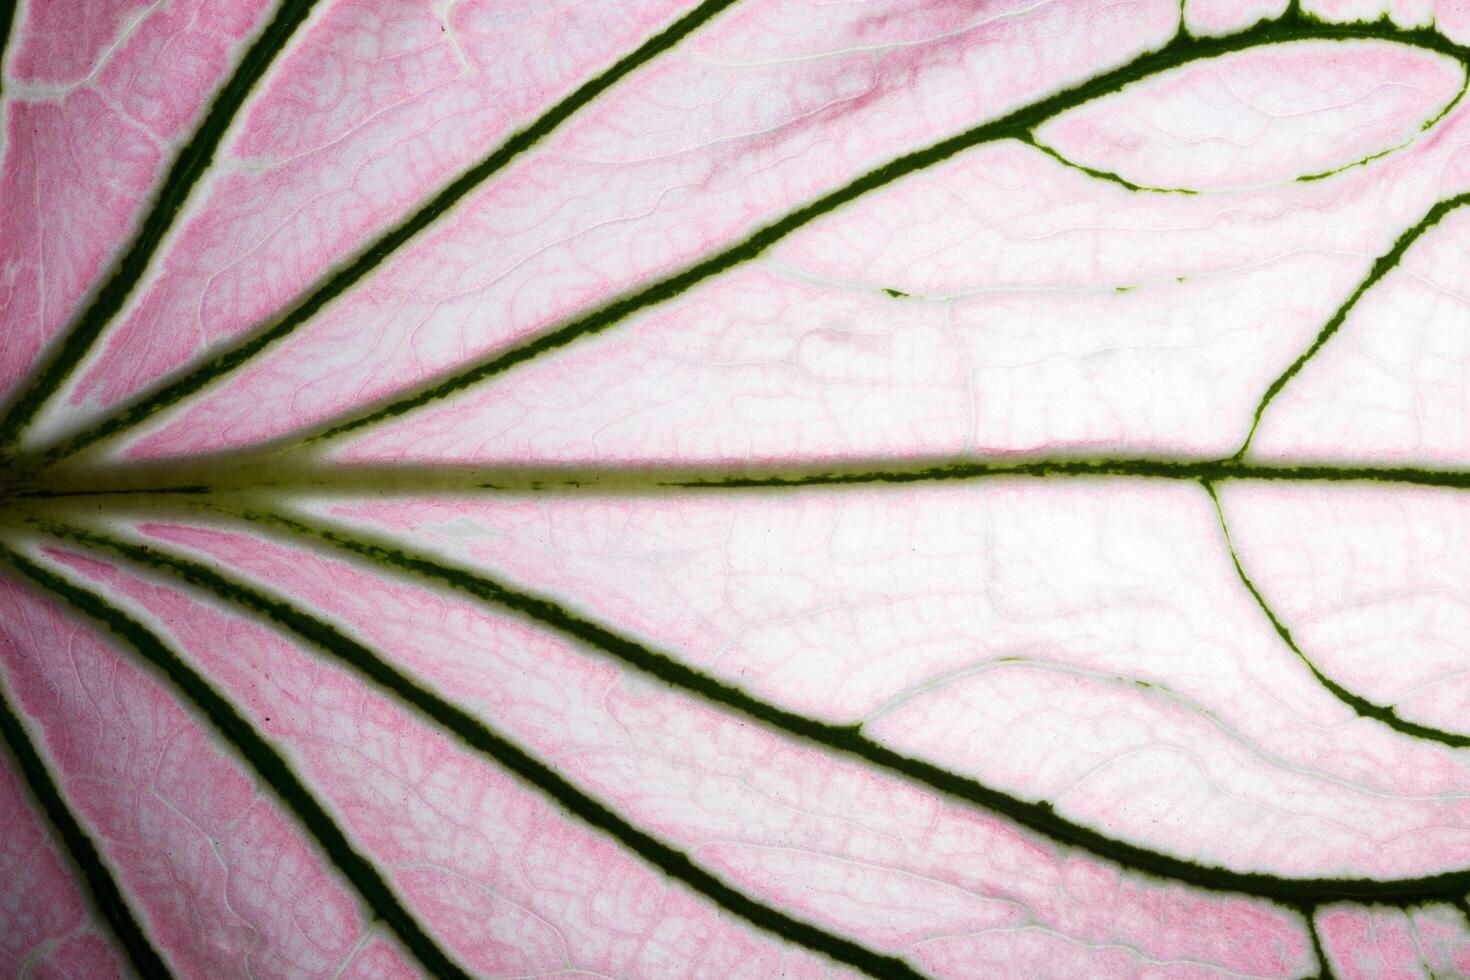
{"type": "Point", "coordinates": [738, 489]}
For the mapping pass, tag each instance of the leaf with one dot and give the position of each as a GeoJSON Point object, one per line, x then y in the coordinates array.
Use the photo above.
{"type": "Point", "coordinates": [746, 488]}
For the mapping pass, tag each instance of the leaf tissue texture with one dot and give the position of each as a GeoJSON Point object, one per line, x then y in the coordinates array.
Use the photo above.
{"type": "Point", "coordinates": [735, 489]}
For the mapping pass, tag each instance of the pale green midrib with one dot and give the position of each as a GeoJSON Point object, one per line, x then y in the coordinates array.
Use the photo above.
{"type": "Point", "coordinates": [272, 770]}
{"type": "Point", "coordinates": [1425, 127]}
{"type": "Point", "coordinates": [248, 475]}
{"type": "Point", "coordinates": [480, 738]}
{"type": "Point", "coordinates": [1291, 26]}
{"type": "Point", "coordinates": [92, 870]}
{"type": "Point", "coordinates": [1206, 473]}
{"type": "Point", "coordinates": [303, 307]}
{"type": "Point", "coordinates": [1384, 714]}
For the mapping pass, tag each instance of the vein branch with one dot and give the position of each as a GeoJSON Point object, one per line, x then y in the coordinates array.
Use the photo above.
{"type": "Point", "coordinates": [1385, 714]}
{"type": "Point", "coordinates": [222, 363]}
{"type": "Point", "coordinates": [1105, 175]}
{"type": "Point", "coordinates": [846, 740]}
{"type": "Point", "coordinates": [271, 768]}
{"type": "Point", "coordinates": [1292, 25]}
{"type": "Point", "coordinates": [94, 873]}
{"type": "Point", "coordinates": [193, 159]}
{"type": "Point", "coordinates": [1021, 123]}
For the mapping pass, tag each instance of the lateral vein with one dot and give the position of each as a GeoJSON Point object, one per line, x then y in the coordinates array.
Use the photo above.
{"type": "Point", "coordinates": [847, 740]}
{"type": "Point", "coordinates": [272, 769]}
{"type": "Point", "coordinates": [1292, 25]}
{"type": "Point", "coordinates": [107, 897]}
{"type": "Point", "coordinates": [489, 743]}
{"type": "Point", "coordinates": [192, 161]}
{"type": "Point", "coordinates": [1385, 714]}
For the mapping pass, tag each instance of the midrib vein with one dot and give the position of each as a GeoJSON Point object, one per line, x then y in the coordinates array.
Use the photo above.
{"type": "Point", "coordinates": [264, 476]}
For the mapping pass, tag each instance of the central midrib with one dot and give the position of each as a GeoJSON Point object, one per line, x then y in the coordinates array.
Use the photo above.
{"type": "Point", "coordinates": [247, 475]}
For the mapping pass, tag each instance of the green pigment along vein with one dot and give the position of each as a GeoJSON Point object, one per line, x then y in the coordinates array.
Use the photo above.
{"type": "Point", "coordinates": [270, 767]}
{"type": "Point", "coordinates": [192, 380]}
{"type": "Point", "coordinates": [1105, 175]}
{"type": "Point", "coordinates": [244, 476]}
{"type": "Point", "coordinates": [1384, 264]}
{"type": "Point", "coordinates": [848, 740]}
{"type": "Point", "coordinates": [8, 18]}
{"type": "Point", "coordinates": [191, 163]}
{"type": "Point", "coordinates": [1020, 124]}
{"type": "Point", "coordinates": [92, 871]}
{"type": "Point", "coordinates": [487, 742]}
{"type": "Point", "coordinates": [1428, 125]}
{"type": "Point", "coordinates": [1364, 708]}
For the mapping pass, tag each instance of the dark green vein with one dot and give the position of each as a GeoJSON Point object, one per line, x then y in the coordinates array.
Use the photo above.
{"type": "Point", "coordinates": [1425, 127]}
{"type": "Point", "coordinates": [1384, 264]}
{"type": "Point", "coordinates": [93, 872]}
{"type": "Point", "coordinates": [190, 164]}
{"type": "Point", "coordinates": [1364, 708]}
{"type": "Point", "coordinates": [1363, 162]}
{"type": "Point", "coordinates": [1107, 175]}
{"type": "Point", "coordinates": [849, 740]}
{"type": "Point", "coordinates": [1293, 25]}
{"type": "Point", "coordinates": [171, 392]}
{"type": "Point", "coordinates": [9, 14]}
{"type": "Point", "coordinates": [487, 742]}
{"type": "Point", "coordinates": [271, 768]}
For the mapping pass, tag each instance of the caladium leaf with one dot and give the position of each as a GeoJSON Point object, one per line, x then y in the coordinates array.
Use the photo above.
{"type": "Point", "coordinates": [741, 488]}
